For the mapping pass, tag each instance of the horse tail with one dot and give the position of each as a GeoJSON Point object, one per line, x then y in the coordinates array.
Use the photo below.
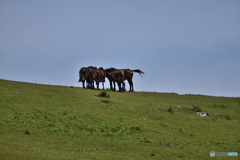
{"type": "Point", "coordinates": [138, 71]}
{"type": "Point", "coordinates": [80, 75]}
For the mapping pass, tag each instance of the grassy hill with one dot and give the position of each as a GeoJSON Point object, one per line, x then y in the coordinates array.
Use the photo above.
{"type": "Point", "coordinates": [57, 122]}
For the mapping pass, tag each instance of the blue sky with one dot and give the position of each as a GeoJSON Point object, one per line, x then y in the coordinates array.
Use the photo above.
{"type": "Point", "coordinates": [186, 47]}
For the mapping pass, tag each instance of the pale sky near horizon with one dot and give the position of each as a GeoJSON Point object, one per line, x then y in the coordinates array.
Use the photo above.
{"type": "Point", "coordinates": [186, 47]}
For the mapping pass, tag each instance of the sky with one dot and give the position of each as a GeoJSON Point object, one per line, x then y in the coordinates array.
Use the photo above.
{"type": "Point", "coordinates": [185, 47]}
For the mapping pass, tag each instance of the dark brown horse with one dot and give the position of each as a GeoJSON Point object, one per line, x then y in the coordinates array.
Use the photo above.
{"type": "Point", "coordinates": [99, 76]}
{"type": "Point", "coordinates": [118, 77]}
{"type": "Point", "coordinates": [86, 74]}
{"type": "Point", "coordinates": [108, 72]}
{"type": "Point", "coordinates": [127, 75]}
{"type": "Point", "coordinates": [82, 76]}
{"type": "Point", "coordinates": [90, 74]}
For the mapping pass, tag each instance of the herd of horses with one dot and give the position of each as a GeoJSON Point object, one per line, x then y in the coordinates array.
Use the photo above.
{"type": "Point", "coordinates": [91, 74]}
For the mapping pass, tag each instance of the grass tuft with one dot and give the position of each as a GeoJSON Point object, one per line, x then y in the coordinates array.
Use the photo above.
{"type": "Point", "coordinates": [227, 117]}
{"type": "Point", "coordinates": [104, 94]}
{"type": "Point", "coordinates": [152, 154]}
{"type": "Point", "coordinates": [170, 109]}
{"type": "Point", "coordinates": [27, 132]}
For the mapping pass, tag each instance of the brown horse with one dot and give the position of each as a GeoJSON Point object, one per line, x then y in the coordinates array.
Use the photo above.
{"type": "Point", "coordinates": [82, 76]}
{"type": "Point", "coordinates": [108, 73]}
{"type": "Point", "coordinates": [99, 76]}
{"type": "Point", "coordinates": [94, 74]}
{"type": "Point", "coordinates": [118, 77]}
{"type": "Point", "coordinates": [127, 75]}
{"type": "Point", "coordinates": [90, 74]}
{"type": "Point", "coordinates": [86, 74]}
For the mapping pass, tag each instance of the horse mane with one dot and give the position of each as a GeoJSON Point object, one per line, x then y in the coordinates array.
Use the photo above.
{"type": "Point", "coordinates": [92, 67]}
{"type": "Point", "coordinates": [101, 68]}
{"type": "Point", "coordinates": [110, 69]}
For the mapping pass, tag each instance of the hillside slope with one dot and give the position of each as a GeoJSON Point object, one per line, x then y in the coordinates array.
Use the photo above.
{"type": "Point", "coordinates": [57, 122]}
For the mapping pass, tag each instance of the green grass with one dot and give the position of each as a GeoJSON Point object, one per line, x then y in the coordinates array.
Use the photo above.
{"type": "Point", "coordinates": [56, 122]}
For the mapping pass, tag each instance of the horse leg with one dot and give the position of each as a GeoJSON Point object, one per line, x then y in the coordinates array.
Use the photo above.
{"type": "Point", "coordinates": [83, 81]}
{"type": "Point", "coordinates": [111, 85]}
{"type": "Point", "coordinates": [132, 87]}
{"type": "Point", "coordinates": [103, 85]}
{"type": "Point", "coordinates": [92, 84]}
{"type": "Point", "coordinates": [119, 87]}
{"type": "Point", "coordinates": [88, 86]}
{"type": "Point", "coordinates": [97, 83]}
{"type": "Point", "coordinates": [114, 86]}
{"type": "Point", "coordinates": [123, 86]}
{"type": "Point", "coordinates": [130, 84]}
